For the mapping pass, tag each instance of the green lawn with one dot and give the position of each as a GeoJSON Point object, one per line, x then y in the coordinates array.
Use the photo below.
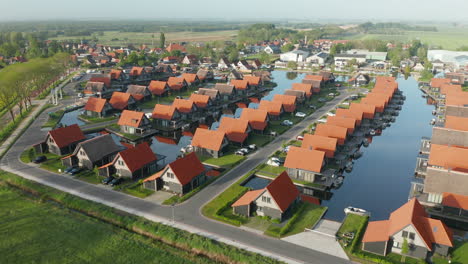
{"type": "Point", "coordinates": [305, 216]}
{"type": "Point", "coordinates": [258, 139]}
{"type": "Point", "coordinates": [53, 163]}
{"type": "Point", "coordinates": [54, 118]}
{"type": "Point", "coordinates": [94, 120]}
{"type": "Point", "coordinates": [351, 223]}
{"type": "Point", "coordinates": [38, 232]}
{"type": "Point", "coordinates": [227, 161]}
{"type": "Point", "coordinates": [271, 169]}
{"type": "Point", "coordinates": [134, 188]}
{"type": "Point", "coordinates": [168, 99]}
{"type": "Point", "coordinates": [459, 254]}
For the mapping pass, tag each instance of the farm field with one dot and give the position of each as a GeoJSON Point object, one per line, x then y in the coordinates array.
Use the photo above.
{"type": "Point", "coordinates": [39, 232]}
{"type": "Point", "coordinates": [116, 38]}
{"type": "Point", "coordinates": [445, 38]}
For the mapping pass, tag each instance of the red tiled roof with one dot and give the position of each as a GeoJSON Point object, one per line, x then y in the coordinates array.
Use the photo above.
{"type": "Point", "coordinates": [273, 108]}
{"type": "Point", "coordinates": [155, 176]}
{"type": "Point", "coordinates": [321, 143]}
{"type": "Point", "coordinates": [449, 157]}
{"type": "Point", "coordinates": [137, 157]}
{"type": "Point", "coordinates": [253, 80]}
{"type": "Point", "coordinates": [200, 100]}
{"type": "Point", "coordinates": [450, 88]}
{"type": "Point", "coordinates": [305, 87]}
{"type": "Point", "coordinates": [288, 102]}
{"type": "Point", "coordinates": [105, 80]}
{"type": "Point", "coordinates": [115, 74]}
{"type": "Point", "coordinates": [95, 104]}
{"type": "Point", "coordinates": [304, 159]}
{"type": "Point", "coordinates": [175, 46]}
{"type": "Point", "coordinates": [367, 109]}
{"type": "Point", "coordinates": [379, 104]}
{"type": "Point", "coordinates": [241, 105]}
{"type": "Point", "coordinates": [136, 71]}
{"type": "Point", "coordinates": [158, 87]}
{"type": "Point", "coordinates": [183, 105]}
{"type": "Point", "coordinates": [208, 139]}
{"type": "Point", "coordinates": [235, 129]}
{"type": "Point", "coordinates": [376, 231]}
{"type": "Point", "coordinates": [314, 77]}
{"type": "Point", "coordinates": [327, 130]}
{"type": "Point", "coordinates": [346, 122]}
{"type": "Point", "coordinates": [131, 118]}
{"type": "Point", "coordinates": [437, 82]}
{"type": "Point", "coordinates": [240, 84]}
{"type": "Point", "coordinates": [352, 113]}
{"type": "Point", "coordinates": [283, 191]}
{"type": "Point", "coordinates": [65, 136]}
{"type": "Point", "coordinates": [456, 123]}
{"type": "Point", "coordinates": [248, 198]}
{"type": "Point", "coordinates": [457, 99]}
{"type": "Point", "coordinates": [258, 119]}
{"type": "Point", "coordinates": [455, 200]}
{"type": "Point", "coordinates": [190, 77]}
{"type": "Point", "coordinates": [187, 168]}
{"type": "Point", "coordinates": [120, 100]}
{"type": "Point", "coordinates": [176, 83]}
{"type": "Point", "coordinates": [166, 112]}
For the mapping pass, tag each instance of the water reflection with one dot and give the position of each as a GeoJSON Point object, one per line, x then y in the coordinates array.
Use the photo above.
{"type": "Point", "coordinates": [71, 118]}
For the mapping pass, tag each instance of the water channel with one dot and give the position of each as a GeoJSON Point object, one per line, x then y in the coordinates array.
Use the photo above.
{"type": "Point", "coordinates": [380, 180]}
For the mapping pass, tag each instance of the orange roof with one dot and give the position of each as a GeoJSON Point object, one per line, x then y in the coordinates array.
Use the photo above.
{"type": "Point", "coordinates": [437, 82]}
{"type": "Point", "coordinates": [248, 198]}
{"type": "Point", "coordinates": [346, 122]}
{"type": "Point", "coordinates": [240, 84]}
{"type": "Point", "coordinates": [190, 77]}
{"type": "Point", "coordinates": [65, 136]}
{"type": "Point", "coordinates": [235, 129]}
{"type": "Point", "coordinates": [257, 118]}
{"type": "Point", "coordinates": [137, 157]}
{"type": "Point", "coordinates": [175, 46]}
{"type": "Point", "coordinates": [120, 100]}
{"type": "Point", "coordinates": [305, 87]}
{"type": "Point", "coordinates": [457, 99]}
{"type": "Point", "coordinates": [455, 200]}
{"type": "Point", "coordinates": [158, 87]}
{"type": "Point", "coordinates": [304, 159]}
{"type": "Point", "coordinates": [317, 142]}
{"type": "Point", "coordinates": [200, 100]}
{"type": "Point", "coordinates": [376, 231]}
{"type": "Point", "coordinates": [253, 80]}
{"type": "Point", "coordinates": [241, 105]}
{"type": "Point", "coordinates": [288, 102]}
{"type": "Point", "coordinates": [136, 71]}
{"type": "Point", "coordinates": [367, 109]}
{"type": "Point", "coordinates": [187, 168]}
{"type": "Point", "coordinates": [352, 113]}
{"type": "Point", "coordinates": [105, 80]}
{"type": "Point", "coordinates": [208, 139]}
{"type": "Point", "coordinates": [328, 130]}
{"type": "Point", "coordinates": [456, 123]}
{"type": "Point", "coordinates": [161, 111]}
{"type": "Point", "coordinates": [115, 74]}
{"type": "Point", "coordinates": [95, 104]}
{"type": "Point", "coordinates": [379, 96]}
{"type": "Point", "coordinates": [176, 83]}
{"type": "Point", "coordinates": [412, 213]}
{"type": "Point", "coordinates": [448, 157]}
{"type": "Point", "coordinates": [131, 118]}
{"type": "Point", "coordinates": [273, 108]}
{"type": "Point", "coordinates": [378, 103]}
{"type": "Point", "coordinates": [450, 88]}
{"type": "Point", "coordinates": [183, 105]}
{"type": "Point", "coordinates": [314, 77]}
{"type": "Point", "coordinates": [283, 191]}
{"type": "Point", "coordinates": [155, 176]}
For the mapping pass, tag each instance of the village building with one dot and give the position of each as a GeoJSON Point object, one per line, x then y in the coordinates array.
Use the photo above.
{"type": "Point", "coordinates": [61, 141]}
{"type": "Point", "coordinates": [211, 143]}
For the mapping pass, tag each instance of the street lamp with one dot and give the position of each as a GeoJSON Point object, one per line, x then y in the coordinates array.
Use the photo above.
{"type": "Point", "coordinates": [173, 216]}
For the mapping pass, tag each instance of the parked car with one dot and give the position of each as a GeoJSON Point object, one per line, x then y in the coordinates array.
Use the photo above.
{"type": "Point", "coordinates": [312, 106]}
{"type": "Point", "coordinates": [331, 94]}
{"type": "Point", "coordinates": [40, 159]}
{"type": "Point", "coordinates": [286, 149]}
{"type": "Point", "coordinates": [279, 160]}
{"type": "Point", "coordinates": [330, 114]}
{"type": "Point", "coordinates": [287, 123]}
{"type": "Point", "coordinates": [116, 181]}
{"type": "Point", "coordinates": [67, 170]}
{"type": "Point", "coordinates": [240, 153]}
{"type": "Point", "coordinates": [273, 163]}
{"type": "Point", "coordinates": [322, 100]}
{"type": "Point", "coordinates": [75, 171]}
{"type": "Point", "coordinates": [245, 150]}
{"type": "Point", "coordinates": [300, 114]}
{"type": "Point", "coordinates": [252, 147]}
{"type": "Point", "coordinates": [107, 180]}
{"type": "Point", "coordinates": [300, 138]}
{"type": "Point", "coordinates": [338, 85]}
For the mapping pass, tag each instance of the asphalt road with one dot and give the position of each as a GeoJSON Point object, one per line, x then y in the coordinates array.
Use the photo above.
{"type": "Point", "coordinates": [187, 215]}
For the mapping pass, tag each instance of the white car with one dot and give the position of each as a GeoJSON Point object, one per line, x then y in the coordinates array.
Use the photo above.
{"type": "Point", "coordinates": [322, 120]}
{"type": "Point", "coordinates": [331, 94]}
{"type": "Point", "coordinates": [300, 114]}
{"type": "Point", "coordinates": [273, 163]}
{"type": "Point", "coordinates": [287, 123]}
{"type": "Point", "coordinates": [330, 114]}
{"type": "Point", "coordinates": [286, 149]}
{"type": "Point", "coordinates": [300, 138]}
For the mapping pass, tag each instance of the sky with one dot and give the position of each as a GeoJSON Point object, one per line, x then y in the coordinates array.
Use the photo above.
{"type": "Point", "coordinates": [303, 10]}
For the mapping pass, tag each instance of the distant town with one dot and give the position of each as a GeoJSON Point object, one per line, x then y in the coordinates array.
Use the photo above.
{"type": "Point", "coordinates": [273, 145]}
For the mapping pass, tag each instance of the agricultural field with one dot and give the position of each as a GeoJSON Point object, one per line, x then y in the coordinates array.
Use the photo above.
{"type": "Point", "coordinates": [39, 232]}
{"type": "Point", "coordinates": [116, 38]}
{"type": "Point", "coordinates": [449, 38]}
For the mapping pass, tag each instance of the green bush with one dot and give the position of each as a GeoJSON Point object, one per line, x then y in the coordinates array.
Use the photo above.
{"type": "Point", "coordinates": [293, 219]}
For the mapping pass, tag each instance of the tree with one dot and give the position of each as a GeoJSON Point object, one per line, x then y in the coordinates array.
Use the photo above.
{"type": "Point", "coordinates": [291, 75]}
{"type": "Point", "coordinates": [404, 250]}
{"type": "Point", "coordinates": [287, 47]}
{"type": "Point", "coordinates": [162, 40]}
{"type": "Point", "coordinates": [264, 57]}
{"type": "Point", "coordinates": [292, 65]}
{"type": "Point", "coordinates": [407, 72]}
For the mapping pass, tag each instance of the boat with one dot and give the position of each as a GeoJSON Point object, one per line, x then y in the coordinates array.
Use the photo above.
{"type": "Point", "coordinates": [354, 210]}
{"type": "Point", "coordinates": [338, 181]}
{"type": "Point", "coordinates": [372, 132]}
{"type": "Point", "coordinates": [365, 142]}
{"type": "Point", "coordinates": [434, 112]}
{"type": "Point", "coordinates": [349, 166]}
{"type": "Point", "coordinates": [433, 121]}
{"type": "Point", "coordinates": [187, 149]}
{"type": "Point", "coordinates": [358, 154]}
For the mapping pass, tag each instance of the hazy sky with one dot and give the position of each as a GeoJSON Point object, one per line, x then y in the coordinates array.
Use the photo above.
{"type": "Point", "coordinates": [430, 10]}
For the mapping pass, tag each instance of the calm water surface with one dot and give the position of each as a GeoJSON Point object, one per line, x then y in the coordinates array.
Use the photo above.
{"type": "Point", "coordinates": [380, 180]}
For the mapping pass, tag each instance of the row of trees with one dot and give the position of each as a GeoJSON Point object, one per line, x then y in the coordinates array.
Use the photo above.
{"type": "Point", "coordinates": [21, 81]}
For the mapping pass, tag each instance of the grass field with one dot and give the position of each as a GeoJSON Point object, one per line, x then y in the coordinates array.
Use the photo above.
{"type": "Point", "coordinates": [116, 38]}
{"type": "Point", "coordinates": [36, 232]}
{"type": "Point", "coordinates": [446, 38]}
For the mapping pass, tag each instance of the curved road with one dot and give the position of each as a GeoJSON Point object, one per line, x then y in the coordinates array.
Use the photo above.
{"type": "Point", "coordinates": [187, 216]}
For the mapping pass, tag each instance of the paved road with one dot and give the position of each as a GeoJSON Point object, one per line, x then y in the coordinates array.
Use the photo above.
{"type": "Point", "coordinates": [187, 216]}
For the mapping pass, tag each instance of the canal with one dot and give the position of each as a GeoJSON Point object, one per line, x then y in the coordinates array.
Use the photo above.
{"type": "Point", "coordinates": [380, 180]}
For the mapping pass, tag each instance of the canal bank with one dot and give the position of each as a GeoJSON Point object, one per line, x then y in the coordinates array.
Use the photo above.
{"type": "Point", "coordinates": [381, 179]}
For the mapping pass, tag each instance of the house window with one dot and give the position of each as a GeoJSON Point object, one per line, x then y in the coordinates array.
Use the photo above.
{"type": "Point", "coordinates": [170, 175]}
{"type": "Point", "coordinates": [260, 209]}
{"type": "Point", "coordinates": [396, 244]}
{"type": "Point", "coordinates": [51, 140]}
{"type": "Point", "coordinates": [82, 153]}
{"type": "Point", "coordinates": [120, 163]}
{"type": "Point", "coordinates": [266, 199]}
{"type": "Point", "coordinates": [404, 234]}
{"type": "Point", "coordinates": [411, 236]}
